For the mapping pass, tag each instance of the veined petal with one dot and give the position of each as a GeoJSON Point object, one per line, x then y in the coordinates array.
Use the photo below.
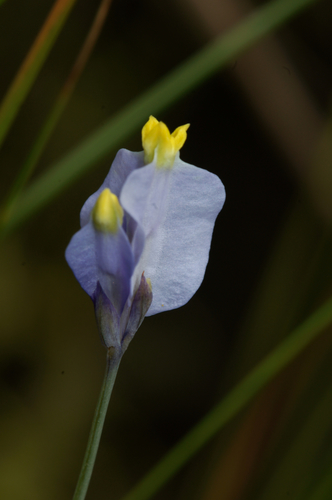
{"type": "Point", "coordinates": [124, 163]}
{"type": "Point", "coordinates": [176, 251]}
{"type": "Point", "coordinates": [144, 196]}
{"type": "Point", "coordinates": [137, 243]}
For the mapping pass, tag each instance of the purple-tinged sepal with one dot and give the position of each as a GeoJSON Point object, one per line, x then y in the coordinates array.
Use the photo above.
{"type": "Point", "coordinates": [108, 319]}
{"type": "Point", "coordinates": [137, 311]}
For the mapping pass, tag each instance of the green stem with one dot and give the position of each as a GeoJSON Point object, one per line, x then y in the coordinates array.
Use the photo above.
{"type": "Point", "coordinates": [113, 362]}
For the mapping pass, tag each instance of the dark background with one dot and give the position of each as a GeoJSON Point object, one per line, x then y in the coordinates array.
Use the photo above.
{"type": "Point", "coordinates": [266, 151]}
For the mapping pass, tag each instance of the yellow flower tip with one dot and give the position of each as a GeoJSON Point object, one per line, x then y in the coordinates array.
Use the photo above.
{"type": "Point", "coordinates": [107, 214]}
{"type": "Point", "coordinates": [180, 135]}
{"type": "Point", "coordinates": [150, 124]}
{"type": "Point", "coordinates": [159, 144]}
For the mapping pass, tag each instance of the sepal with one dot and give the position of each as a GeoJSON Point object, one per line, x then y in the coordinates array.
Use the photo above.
{"type": "Point", "coordinates": [139, 307]}
{"type": "Point", "coordinates": [108, 319]}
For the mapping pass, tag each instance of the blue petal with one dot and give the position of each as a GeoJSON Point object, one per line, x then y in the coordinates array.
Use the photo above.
{"type": "Point", "coordinates": [124, 163]}
{"type": "Point", "coordinates": [115, 261]}
{"type": "Point", "coordinates": [176, 251]}
{"type": "Point", "coordinates": [108, 258]}
{"type": "Point", "coordinates": [81, 257]}
{"type": "Point", "coordinates": [138, 242]}
{"type": "Point", "coordinates": [145, 194]}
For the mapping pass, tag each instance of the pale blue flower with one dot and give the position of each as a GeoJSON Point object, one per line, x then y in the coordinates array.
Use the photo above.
{"type": "Point", "coordinates": [145, 234]}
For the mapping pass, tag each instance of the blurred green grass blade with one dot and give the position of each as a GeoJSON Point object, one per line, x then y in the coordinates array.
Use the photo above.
{"type": "Point", "coordinates": [180, 81]}
{"type": "Point", "coordinates": [233, 403]}
{"type": "Point", "coordinates": [57, 108]}
{"type": "Point", "coordinates": [279, 303]}
{"type": "Point", "coordinates": [323, 490]}
{"type": "Point", "coordinates": [293, 474]}
{"type": "Point", "coordinates": [32, 64]}
{"type": "Point", "coordinates": [2, 1]}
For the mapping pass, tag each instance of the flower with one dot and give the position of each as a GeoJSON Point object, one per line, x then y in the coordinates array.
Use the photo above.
{"type": "Point", "coordinates": [145, 234]}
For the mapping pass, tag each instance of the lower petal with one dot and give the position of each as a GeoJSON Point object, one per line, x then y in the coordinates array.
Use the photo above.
{"type": "Point", "coordinates": [176, 253]}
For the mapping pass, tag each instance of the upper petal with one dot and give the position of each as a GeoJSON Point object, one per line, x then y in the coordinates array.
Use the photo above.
{"type": "Point", "coordinates": [81, 257]}
{"type": "Point", "coordinates": [124, 163]}
{"type": "Point", "coordinates": [176, 251]}
{"type": "Point", "coordinates": [144, 195]}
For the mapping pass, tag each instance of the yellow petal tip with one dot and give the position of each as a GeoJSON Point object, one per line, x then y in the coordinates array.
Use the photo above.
{"type": "Point", "coordinates": [107, 214]}
{"type": "Point", "coordinates": [159, 144]}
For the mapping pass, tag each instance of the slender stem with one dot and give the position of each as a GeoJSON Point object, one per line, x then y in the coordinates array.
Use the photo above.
{"type": "Point", "coordinates": [113, 362]}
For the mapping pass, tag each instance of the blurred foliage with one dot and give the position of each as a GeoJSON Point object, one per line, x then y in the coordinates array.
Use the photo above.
{"type": "Point", "coordinates": [264, 127]}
